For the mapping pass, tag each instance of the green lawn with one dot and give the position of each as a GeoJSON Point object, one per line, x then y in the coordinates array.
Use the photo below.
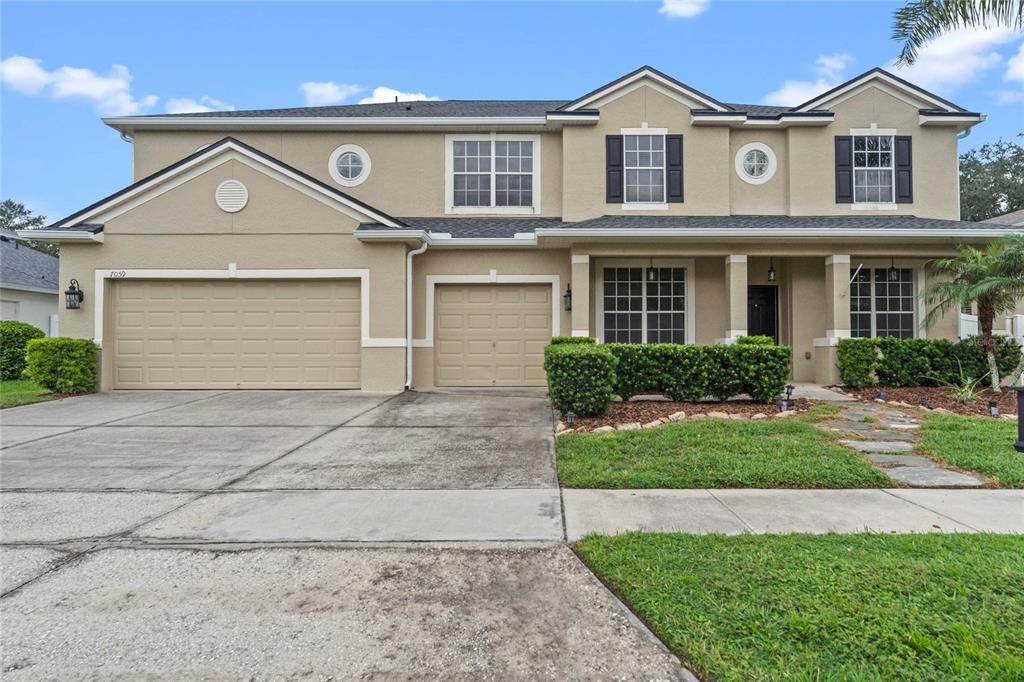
{"type": "Point", "coordinates": [831, 607]}
{"type": "Point", "coordinates": [979, 444]}
{"type": "Point", "coordinates": [713, 453]}
{"type": "Point", "coordinates": [14, 393]}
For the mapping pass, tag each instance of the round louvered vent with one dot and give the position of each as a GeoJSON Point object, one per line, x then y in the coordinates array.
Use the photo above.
{"type": "Point", "coordinates": [231, 196]}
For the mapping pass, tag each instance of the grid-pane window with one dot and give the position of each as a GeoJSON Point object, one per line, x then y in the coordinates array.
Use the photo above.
{"type": "Point", "coordinates": [643, 309]}
{"type": "Point", "coordinates": [472, 165]}
{"type": "Point", "coordinates": [882, 303]}
{"type": "Point", "coordinates": [872, 169]}
{"type": "Point", "coordinates": [666, 306]}
{"type": "Point", "coordinates": [623, 305]}
{"type": "Point", "coordinates": [492, 174]}
{"type": "Point", "coordinates": [645, 168]}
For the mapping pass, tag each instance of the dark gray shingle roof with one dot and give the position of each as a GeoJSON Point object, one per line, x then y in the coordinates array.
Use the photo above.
{"type": "Point", "coordinates": [1014, 218]}
{"type": "Point", "coordinates": [472, 228]}
{"type": "Point", "coordinates": [759, 109]}
{"type": "Point", "coordinates": [21, 265]}
{"type": "Point", "coordinates": [445, 108]}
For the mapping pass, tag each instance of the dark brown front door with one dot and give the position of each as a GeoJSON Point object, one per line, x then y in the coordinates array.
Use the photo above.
{"type": "Point", "coordinates": [763, 311]}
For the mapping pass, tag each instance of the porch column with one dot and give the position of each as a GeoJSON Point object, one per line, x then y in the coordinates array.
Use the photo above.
{"type": "Point", "coordinates": [580, 294]}
{"type": "Point", "coordinates": [735, 298]}
{"type": "Point", "coordinates": [837, 319]}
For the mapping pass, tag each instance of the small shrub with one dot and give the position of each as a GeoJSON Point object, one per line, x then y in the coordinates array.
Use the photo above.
{"type": "Point", "coordinates": [14, 337]}
{"type": "Point", "coordinates": [759, 371]}
{"type": "Point", "coordinates": [904, 362]}
{"type": "Point", "coordinates": [681, 372]}
{"type": "Point", "coordinates": [858, 359]}
{"type": "Point", "coordinates": [584, 340]}
{"type": "Point", "coordinates": [755, 341]}
{"type": "Point", "coordinates": [63, 365]}
{"type": "Point", "coordinates": [580, 377]}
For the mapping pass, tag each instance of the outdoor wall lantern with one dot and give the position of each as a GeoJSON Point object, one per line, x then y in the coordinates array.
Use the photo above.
{"type": "Point", "coordinates": [567, 298]}
{"type": "Point", "coordinates": [894, 274]}
{"type": "Point", "coordinates": [1019, 445]}
{"type": "Point", "coordinates": [652, 272]}
{"type": "Point", "coordinates": [74, 296]}
{"type": "Point", "coordinates": [772, 275]}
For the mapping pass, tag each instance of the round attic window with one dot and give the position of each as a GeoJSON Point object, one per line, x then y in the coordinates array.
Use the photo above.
{"type": "Point", "coordinates": [755, 163]}
{"type": "Point", "coordinates": [349, 165]}
{"type": "Point", "coordinates": [231, 196]}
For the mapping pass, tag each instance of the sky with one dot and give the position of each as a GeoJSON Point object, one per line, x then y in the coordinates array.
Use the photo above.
{"type": "Point", "coordinates": [64, 65]}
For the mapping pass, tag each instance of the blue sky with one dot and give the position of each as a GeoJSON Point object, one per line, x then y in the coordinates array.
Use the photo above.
{"type": "Point", "coordinates": [66, 64]}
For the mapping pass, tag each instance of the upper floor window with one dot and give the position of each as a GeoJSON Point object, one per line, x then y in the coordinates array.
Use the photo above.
{"type": "Point", "coordinates": [645, 168]}
{"type": "Point", "coordinates": [873, 169]}
{"type": "Point", "coordinates": [349, 165]}
{"type": "Point", "coordinates": [493, 173]}
{"type": "Point", "coordinates": [755, 163]}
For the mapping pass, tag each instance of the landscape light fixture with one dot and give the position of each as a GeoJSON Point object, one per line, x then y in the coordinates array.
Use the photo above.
{"type": "Point", "coordinates": [993, 408]}
{"type": "Point", "coordinates": [570, 419]}
{"type": "Point", "coordinates": [74, 296]}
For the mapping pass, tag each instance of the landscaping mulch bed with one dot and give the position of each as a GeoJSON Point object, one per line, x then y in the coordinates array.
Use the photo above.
{"type": "Point", "coordinates": [644, 411]}
{"type": "Point", "coordinates": [940, 397]}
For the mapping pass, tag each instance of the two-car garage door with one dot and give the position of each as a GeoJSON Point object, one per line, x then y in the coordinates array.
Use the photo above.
{"type": "Point", "coordinates": [236, 334]}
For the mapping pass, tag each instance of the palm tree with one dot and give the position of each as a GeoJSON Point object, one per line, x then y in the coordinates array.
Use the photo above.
{"type": "Point", "coordinates": [920, 21]}
{"type": "Point", "coordinates": [991, 281]}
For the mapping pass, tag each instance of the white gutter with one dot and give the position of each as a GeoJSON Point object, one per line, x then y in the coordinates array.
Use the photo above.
{"type": "Point", "coordinates": [815, 232]}
{"type": "Point", "coordinates": [408, 311]}
{"type": "Point", "coordinates": [61, 235]}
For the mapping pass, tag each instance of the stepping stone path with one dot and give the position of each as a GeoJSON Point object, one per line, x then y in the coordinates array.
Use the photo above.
{"type": "Point", "coordinates": [886, 436]}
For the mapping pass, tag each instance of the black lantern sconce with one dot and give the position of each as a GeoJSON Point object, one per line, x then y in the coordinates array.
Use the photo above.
{"type": "Point", "coordinates": [74, 296]}
{"type": "Point", "coordinates": [652, 272]}
{"type": "Point", "coordinates": [772, 275]}
{"type": "Point", "coordinates": [567, 298]}
{"type": "Point", "coordinates": [894, 274]}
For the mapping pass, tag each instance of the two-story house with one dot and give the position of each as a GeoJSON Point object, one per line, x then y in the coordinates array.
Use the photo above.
{"type": "Point", "coordinates": [443, 243]}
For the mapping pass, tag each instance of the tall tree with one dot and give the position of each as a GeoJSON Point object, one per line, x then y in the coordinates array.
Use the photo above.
{"type": "Point", "coordinates": [992, 180]}
{"type": "Point", "coordinates": [921, 21]}
{"type": "Point", "coordinates": [15, 216]}
{"type": "Point", "coordinates": [989, 280]}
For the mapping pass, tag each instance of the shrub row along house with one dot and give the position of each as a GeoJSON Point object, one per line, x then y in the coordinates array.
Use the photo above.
{"type": "Point", "coordinates": [443, 243]}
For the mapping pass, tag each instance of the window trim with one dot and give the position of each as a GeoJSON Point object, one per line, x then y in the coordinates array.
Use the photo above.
{"type": "Point", "coordinates": [919, 281]}
{"type": "Point", "coordinates": [769, 172]}
{"type": "Point", "coordinates": [691, 290]}
{"type": "Point", "coordinates": [855, 205]}
{"type": "Point", "coordinates": [332, 165]}
{"type": "Point", "coordinates": [645, 205]}
{"type": "Point", "coordinates": [449, 173]}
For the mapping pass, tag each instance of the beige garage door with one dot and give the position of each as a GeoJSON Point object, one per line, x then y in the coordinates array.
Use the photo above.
{"type": "Point", "coordinates": [491, 335]}
{"type": "Point", "coordinates": [236, 334]}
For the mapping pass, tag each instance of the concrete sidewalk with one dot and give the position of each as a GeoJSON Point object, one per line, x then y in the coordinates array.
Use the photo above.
{"type": "Point", "coordinates": [785, 511]}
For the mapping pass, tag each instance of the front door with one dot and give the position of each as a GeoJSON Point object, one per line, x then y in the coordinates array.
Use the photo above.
{"type": "Point", "coordinates": [763, 311]}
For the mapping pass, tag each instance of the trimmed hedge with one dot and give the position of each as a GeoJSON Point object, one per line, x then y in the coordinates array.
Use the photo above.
{"type": "Point", "coordinates": [580, 377]}
{"type": "Point", "coordinates": [681, 372]}
{"type": "Point", "coordinates": [755, 341]}
{"type": "Point", "coordinates": [920, 362]}
{"type": "Point", "coordinates": [583, 340]}
{"type": "Point", "coordinates": [63, 365]}
{"type": "Point", "coordinates": [14, 337]}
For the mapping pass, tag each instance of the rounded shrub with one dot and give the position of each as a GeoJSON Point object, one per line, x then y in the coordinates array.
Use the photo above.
{"type": "Point", "coordinates": [569, 340]}
{"type": "Point", "coordinates": [63, 365]}
{"type": "Point", "coordinates": [14, 338]}
{"type": "Point", "coordinates": [755, 341]}
{"type": "Point", "coordinates": [580, 377]}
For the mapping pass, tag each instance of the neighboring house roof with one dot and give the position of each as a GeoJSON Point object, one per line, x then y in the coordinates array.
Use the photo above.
{"type": "Point", "coordinates": [1014, 219]}
{"type": "Point", "coordinates": [22, 267]}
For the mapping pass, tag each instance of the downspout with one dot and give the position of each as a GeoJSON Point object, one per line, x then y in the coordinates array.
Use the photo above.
{"type": "Point", "coordinates": [408, 310]}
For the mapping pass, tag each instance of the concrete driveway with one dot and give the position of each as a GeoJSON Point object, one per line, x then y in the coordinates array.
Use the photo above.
{"type": "Point", "coordinates": [278, 534]}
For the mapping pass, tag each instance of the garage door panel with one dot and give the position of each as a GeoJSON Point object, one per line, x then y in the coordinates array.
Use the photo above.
{"type": "Point", "coordinates": [484, 334]}
{"type": "Point", "coordinates": [236, 334]}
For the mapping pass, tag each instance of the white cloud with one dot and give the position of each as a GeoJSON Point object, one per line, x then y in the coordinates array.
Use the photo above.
{"type": "Point", "coordinates": [683, 9]}
{"type": "Point", "coordinates": [187, 105]}
{"type": "Point", "coordinates": [956, 58]}
{"type": "Point", "coordinates": [1015, 66]}
{"type": "Point", "coordinates": [829, 69]}
{"type": "Point", "coordinates": [111, 94]}
{"type": "Point", "coordinates": [328, 92]}
{"type": "Point", "coordinates": [1011, 96]}
{"type": "Point", "coordinates": [382, 94]}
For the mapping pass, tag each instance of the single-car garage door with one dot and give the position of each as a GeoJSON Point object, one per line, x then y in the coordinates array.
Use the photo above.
{"type": "Point", "coordinates": [236, 334]}
{"type": "Point", "coordinates": [491, 335]}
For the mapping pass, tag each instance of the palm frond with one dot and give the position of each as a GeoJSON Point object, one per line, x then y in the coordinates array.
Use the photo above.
{"type": "Point", "coordinates": [921, 21]}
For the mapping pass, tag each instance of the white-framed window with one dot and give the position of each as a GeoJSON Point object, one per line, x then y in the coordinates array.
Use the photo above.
{"type": "Point", "coordinates": [639, 303]}
{"type": "Point", "coordinates": [874, 176]}
{"type": "Point", "coordinates": [349, 165]}
{"type": "Point", "coordinates": [492, 174]}
{"type": "Point", "coordinates": [644, 166]}
{"type": "Point", "coordinates": [755, 163]}
{"type": "Point", "coordinates": [882, 302]}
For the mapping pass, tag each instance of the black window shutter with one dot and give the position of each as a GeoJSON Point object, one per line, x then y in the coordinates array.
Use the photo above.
{"type": "Point", "coordinates": [614, 177]}
{"type": "Point", "coordinates": [904, 170]}
{"type": "Point", "coordinates": [674, 167]}
{"type": "Point", "coordinates": [844, 169]}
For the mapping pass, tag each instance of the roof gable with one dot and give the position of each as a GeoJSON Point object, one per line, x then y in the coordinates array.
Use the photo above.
{"type": "Point", "coordinates": [225, 150]}
{"type": "Point", "coordinates": [886, 81]}
{"type": "Point", "coordinates": [650, 76]}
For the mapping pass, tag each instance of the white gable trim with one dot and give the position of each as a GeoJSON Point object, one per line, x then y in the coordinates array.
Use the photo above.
{"type": "Point", "coordinates": [684, 96]}
{"type": "Point", "coordinates": [883, 82]}
{"type": "Point", "coordinates": [214, 157]}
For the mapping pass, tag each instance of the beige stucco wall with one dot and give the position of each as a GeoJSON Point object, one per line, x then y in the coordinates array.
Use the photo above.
{"type": "Point", "coordinates": [771, 197]}
{"type": "Point", "coordinates": [407, 168]}
{"type": "Point", "coordinates": [33, 307]}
